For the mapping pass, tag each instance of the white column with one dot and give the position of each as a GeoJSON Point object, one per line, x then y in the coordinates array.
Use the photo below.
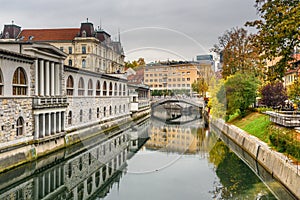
{"type": "Point", "coordinates": [57, 79]}
{"type": "Point", "coordinates": [41, 79]}
{"type": "Point", "coordinates": [52, 93]}
{"type": "Point", "coordinates": [36, 77]}
{"type": "Point", "coordinates": [47, 78]}
{"type": "Point", "coordinates": [37, 127]}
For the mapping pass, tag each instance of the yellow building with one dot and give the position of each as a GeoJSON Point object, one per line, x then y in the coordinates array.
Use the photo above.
{"type": "Point", "coordinates": [177, 76]}
{"type": "Point", "coordinates": [175, 139]}
{"type": "Point", "coordinates": [86, 47]}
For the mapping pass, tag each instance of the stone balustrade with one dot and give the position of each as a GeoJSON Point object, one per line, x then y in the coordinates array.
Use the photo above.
{"type": "Point", "coordinates": [285, 118]}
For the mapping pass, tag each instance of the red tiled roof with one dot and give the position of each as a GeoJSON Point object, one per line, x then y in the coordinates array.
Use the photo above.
{"type": "Point", "coordinates": [49, 34]}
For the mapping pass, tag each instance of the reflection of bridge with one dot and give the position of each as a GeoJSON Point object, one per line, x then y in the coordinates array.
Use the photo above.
{"type": "Point", "coordinates": [190, 101]}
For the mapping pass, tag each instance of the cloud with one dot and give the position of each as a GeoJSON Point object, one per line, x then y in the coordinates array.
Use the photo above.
{"type": "Point", "coordinates": [203, 21]}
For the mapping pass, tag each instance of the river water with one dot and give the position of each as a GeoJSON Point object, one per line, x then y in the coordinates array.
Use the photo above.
{"type": "Point", "coordinates": [152, 160]}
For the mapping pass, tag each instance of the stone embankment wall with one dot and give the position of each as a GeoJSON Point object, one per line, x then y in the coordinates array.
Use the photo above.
{"type": "Point", "coordinates": [275, 163]}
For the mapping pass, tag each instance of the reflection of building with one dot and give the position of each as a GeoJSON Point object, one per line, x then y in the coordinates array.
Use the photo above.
{"type": "Point", "coordinates": [85, 47]}
{"type": "Point", "coordinates": [171, 76]}
{"type": "Point", "coordinates": [175, 139]}
{"type": "Point", "coordinates": [75, 176]}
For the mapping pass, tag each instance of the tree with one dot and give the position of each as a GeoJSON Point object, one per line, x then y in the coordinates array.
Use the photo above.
{"type": "Point", "coordinates": [238, 52]}
{"type": "Point", "coordinates": [273, 94]}
{"type": "Point", "coordinates": [200, 86]}
{"type": "Point", "coordinates": [141, 62]}
{"type": "Point", "coordinates": [240, 92]}
{"type": "Point", "coordinates": [294, 92]}
{"type": "Point", "coordinates": [217, 102]}
{"type": "Point", "coordinates": [135, 64]}
{"type": "Point", "coordinates": [278, 33]}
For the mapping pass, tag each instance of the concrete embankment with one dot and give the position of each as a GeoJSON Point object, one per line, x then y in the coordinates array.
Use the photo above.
{"type": "Point", "coordinates": [275, 163]}
{"type": "Point", "coordinates": [28, 151]}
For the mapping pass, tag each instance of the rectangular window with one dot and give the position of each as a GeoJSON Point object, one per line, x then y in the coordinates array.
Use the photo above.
{"type": "Point", "coordinates": [83, 49]}
{"type": "Point", "coordinates": [70, 50]}
{"type": "Point", "coordinates": [188, 79]}
{"type": "Point", "coordinates": [183, 79]}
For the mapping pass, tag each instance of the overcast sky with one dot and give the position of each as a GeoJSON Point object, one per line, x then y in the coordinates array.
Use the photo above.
{"type": "Point", "coordinates": [153, 29]}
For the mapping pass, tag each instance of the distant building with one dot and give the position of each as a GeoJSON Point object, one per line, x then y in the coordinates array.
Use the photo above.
{"type": "Point", "coordinates": [207, 60]}
{"type": "Point", "coordinates": [137, 77]}
{"type": "Point", "coordinates": [175, 76]}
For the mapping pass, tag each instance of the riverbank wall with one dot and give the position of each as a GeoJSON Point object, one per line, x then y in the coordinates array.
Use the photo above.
{"type": "Point", "coordinates": [277, 164]}
{"type": "Point", "coordinates": [27, 151]}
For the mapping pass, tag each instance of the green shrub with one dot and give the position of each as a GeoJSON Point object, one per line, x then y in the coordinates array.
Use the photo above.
{"type": "Point", "coordinates": [285, 143]}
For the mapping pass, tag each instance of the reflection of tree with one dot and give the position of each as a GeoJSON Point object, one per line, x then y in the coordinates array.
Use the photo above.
{"type": "Point", "coordinates": [235, 176]}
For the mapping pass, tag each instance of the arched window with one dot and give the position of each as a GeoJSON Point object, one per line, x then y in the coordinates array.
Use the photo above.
{"type": "Point", "coordinates": [70, 85]}
{"type": "Point", "coordinates": [19, 82]}
{"type": "Point", "coordinates": [70, 117]}
{"type": "Point", "coordinates": [90, 87]}
{"type": "Point", "coordinates": [20, 126]}
{"type": "Point", "coordinates": [70, 62]}
{"type": "Point", "coordinates": [116, 90]}
{"type": "Point", "coordinates": [120, 109]}
{"type": "Point", "coordinates": [1, 83]}
{"type": "Point", "coordinates": [98, 88]}
{"type": "Point", "coordinates": [115, 110]}
{"type": "Point", "coordinates": [83, 63]}
{"type": "Point", "coordinates": [90, 114]}
{"type": "Point", "coordinates": [104, 88]}
{"type": "Point", "coordinates": [124, 108]}
{"type": "Point", "coordinates": [104, 111]}
{"type": "Point", "coordinates": [81, 87]}
{"type": "Point", "coordinates": [80, 115]}
{"type": "Point", "coordinates": [110, 110]}
{"type": "Point", "coordinates": [120, 89]}
{"type": "Point", "coordinates": [124, 90]}
{"type": "Point", "coordinates": [110, 89]}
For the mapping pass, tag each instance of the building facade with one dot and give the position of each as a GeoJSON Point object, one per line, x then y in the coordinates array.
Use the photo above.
{"type": "Point", "coordinates": [85, 47]}
{"type": "Point", "coordinates": [173, 77]}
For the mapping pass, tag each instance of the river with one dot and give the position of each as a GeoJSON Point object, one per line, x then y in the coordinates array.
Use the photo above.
{"type": "Point", "coordinates": [154, 159]}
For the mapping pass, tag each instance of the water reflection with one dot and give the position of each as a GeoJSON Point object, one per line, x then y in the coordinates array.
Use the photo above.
{"type": "Point", "coordinates": [150, 160]}
{"type": "Point", "coordinates": [237, 181]}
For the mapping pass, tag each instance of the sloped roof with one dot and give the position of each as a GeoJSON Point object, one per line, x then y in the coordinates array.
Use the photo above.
{"type": "Point", "coordinates": [65, 34]}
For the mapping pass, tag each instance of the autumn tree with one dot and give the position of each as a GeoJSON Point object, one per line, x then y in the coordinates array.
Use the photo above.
{"type": "Point", "coordinates": [238, 53]}
{"type": "Point", "coordinates": [200, 86]}
{"type": "Point", "coordinates": [278, 33]}
{"type": "Point", "coordinates": [135, 63]}
{"type": "Point", "coordinates": [294, 92]}
{"type": "Point", "coordinates": [273, 94]}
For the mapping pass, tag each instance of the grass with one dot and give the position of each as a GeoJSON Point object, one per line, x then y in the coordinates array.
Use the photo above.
{"type": "Point", "coordinates": [255, 124]}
